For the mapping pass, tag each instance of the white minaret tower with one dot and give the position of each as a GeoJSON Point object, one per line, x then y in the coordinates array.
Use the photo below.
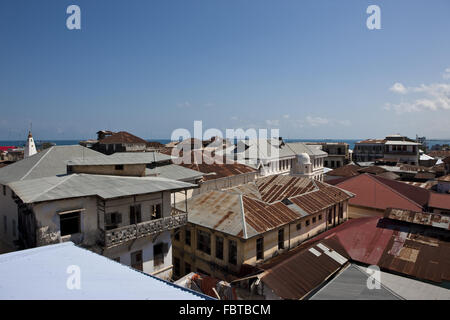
{"type": "Point", "coordinates": [30, 147]}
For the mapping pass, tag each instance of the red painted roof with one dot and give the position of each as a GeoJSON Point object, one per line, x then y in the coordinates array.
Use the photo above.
{"type": "Point", "coordinates": [439, 200]}
{"type": "Point", "coordinates": [395, 246]}
{"type": "Point", "coordinates": [6, 148]}
{"type": "Point", "coordinates": [375, 192]}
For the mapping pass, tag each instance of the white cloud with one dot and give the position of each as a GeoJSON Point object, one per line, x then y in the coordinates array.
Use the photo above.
{"type": "Point", "coordinates": [431, 97]}
{"type": "Point", "coordinates": [398, 88]}
{"type": "Point", "coordinates": [286, 116]}
{"type": "Point", "coordinates": [446, 74]}
{"type": "Point", "coordinates": [316, 121]}
{"type": "Point", "coordinates": [273, 122]}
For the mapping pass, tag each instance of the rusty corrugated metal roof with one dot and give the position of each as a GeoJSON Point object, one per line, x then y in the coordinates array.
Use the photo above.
{"type": "Point", "coordinates": [408, 249]}
{"type": "Point", "coordinates": [297, 275]}
{"type": "Point", "coordinates": [205, 162]}
{"type": "Point", "coordinates": [245, 211]}
{"type": "Point", "coordinates": [423, 218]}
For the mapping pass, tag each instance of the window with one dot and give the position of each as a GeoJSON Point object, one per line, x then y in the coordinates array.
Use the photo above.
{"type": "Point", "coordinates": [299, 226]}
{"type": "Point", "coordinates": [204, 241]}
{"type": "Point", "coordinates": [112, 220]}
{"type": "Point", "coordinates": [70, 223]}
{"type": "Point", "coordinates": [119, 167]}
{"type": "Point", "coordinates": [187, 268]}
{"type": "Point", "coordinates": [320, 217]}
{"type": "Point", "coordinates": [5, 223]}
{"type": "Point", "coordinates": [187, 237]}
{"type": "Point", "coordinates": [307, 222]}
{"type": "Point", "coordinates": [232, 252]}
{"type": "Point", "coordinates": [280, 239]}
{"type": "Point", "coordinates": [4, 190]}
{"type": "Point", "coordinates": [117, 259]}
{"type": "Point", "coordinates": [135, 214]}
{"type": "Point", "coordinates": [259, 248]}
{"type": "Point", "coordinates": [219, 247]}
{"type": "Point", "coordinates": [176, 266]}
{"type": "Point", "coordinates": [155, 211]}
{"type": "Point", "coordinates": [136, 260]}
{"type": "Point", "coordinates": [158, 253]}
{"type": "Point", "coordinates": [176, 234]}
{"type": "Point", "coordinates": [314, 220]}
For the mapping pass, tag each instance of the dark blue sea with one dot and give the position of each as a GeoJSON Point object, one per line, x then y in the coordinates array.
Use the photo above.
{"type": "Point", "coordinates": [351, 142]}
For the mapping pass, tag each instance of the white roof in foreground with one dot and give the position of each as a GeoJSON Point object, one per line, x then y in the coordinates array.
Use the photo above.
{"type": "Point", "coordinates": [84, 185]}
{"type": "Point", "coordinates": [41, 273]}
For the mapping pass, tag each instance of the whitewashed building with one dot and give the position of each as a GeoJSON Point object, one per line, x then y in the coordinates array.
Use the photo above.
{"type": "Point", "coordinates": [126, 218]}
{"type": "Point", "coordinates": [274, 156]}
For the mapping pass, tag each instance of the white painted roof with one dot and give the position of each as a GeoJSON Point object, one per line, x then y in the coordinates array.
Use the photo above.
{"type": "Point", "coordinates": [41, 273]}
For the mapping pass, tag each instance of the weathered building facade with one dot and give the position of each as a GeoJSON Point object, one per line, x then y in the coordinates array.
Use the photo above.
{"type": "Point", "coordinates": [252, 223]}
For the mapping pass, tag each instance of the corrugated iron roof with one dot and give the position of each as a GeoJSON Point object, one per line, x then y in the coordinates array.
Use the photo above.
{"type": "Point", "coordinates": [377, 192]}
{"type": "Point", "coordinates": [395, 246]}
{"type": "Point", "coordinates": [206, 162]}
{"type": "Point", "coordinates": [83, 185]}
{"type": "Point", "coordinates": [439, 200]}
{"type": "Point", "coordinates": [47, 163]}
{"type": "Point", "coordinates": [423, 218]}
{"type": "Point", "coordinates": [297, 275]}
{"type": "Point", "coordinates": [121, 158]}
{"type": "Point", "coordinates": [257, 207]}
{"type": "Point", "coordinates": [349, 170]}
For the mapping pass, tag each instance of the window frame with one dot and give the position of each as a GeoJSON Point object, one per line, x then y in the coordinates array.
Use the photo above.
{"type": "Point", "coordinates": [260, 248]}
{"type": "Point", "coordinates": [63, 218]}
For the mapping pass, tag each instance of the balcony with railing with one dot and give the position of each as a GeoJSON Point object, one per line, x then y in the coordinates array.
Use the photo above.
{"type": "Point", "coordinates": [113, 237]}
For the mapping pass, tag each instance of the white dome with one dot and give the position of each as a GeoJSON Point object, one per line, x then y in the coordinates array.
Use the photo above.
{"type": "Point", "coordinates": [303, 158]}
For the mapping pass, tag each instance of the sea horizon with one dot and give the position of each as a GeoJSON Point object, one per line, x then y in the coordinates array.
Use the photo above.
{"type": "Point", "coordinates": [351, 142]}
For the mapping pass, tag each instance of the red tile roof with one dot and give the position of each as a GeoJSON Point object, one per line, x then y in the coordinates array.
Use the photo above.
{"type": "Point", "coordinates": [6, 148]}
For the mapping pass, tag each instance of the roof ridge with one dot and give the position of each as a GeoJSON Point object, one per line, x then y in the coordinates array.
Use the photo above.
{"type": "Point", "coordinates": [244, 222]}
{"type": "Point", "coordinates": [39, 161]}
{"type": "Point", "coordinates": [56, 185]}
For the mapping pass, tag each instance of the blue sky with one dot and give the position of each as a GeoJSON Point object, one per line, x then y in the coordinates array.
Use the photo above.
{"type": "Point", "coordinates": [310, 68]}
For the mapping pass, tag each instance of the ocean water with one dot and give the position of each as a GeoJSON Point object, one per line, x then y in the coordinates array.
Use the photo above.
{"type": "Point", "coordinates": [351, 142]}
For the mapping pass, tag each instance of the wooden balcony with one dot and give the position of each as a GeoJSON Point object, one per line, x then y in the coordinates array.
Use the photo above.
{"type": "Point", "coordinates": [114, 237]}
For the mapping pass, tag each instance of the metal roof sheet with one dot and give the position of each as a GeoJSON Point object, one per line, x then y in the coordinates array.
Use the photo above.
{"type": "Point", "coordinates": [351, 284]}
{"type": "Point", "coordinates": [40, 273]}
{"type": "Point", "coordinates": [82, 185]}
{"type": "Point", "coordinates": [400, 247]}
{"type": "Point", "coordinates": [47, 163]}
{"type": "Point", "coordinates": [423, 218]}
{"type": "Point", "coordinates": [121, 158]}
{"type": "Point", "coordinates": [175, 172]}
{"type": "Point", "coordinates": [300, 273]}
{"type": "Point", "coordinates": [257, 207]}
